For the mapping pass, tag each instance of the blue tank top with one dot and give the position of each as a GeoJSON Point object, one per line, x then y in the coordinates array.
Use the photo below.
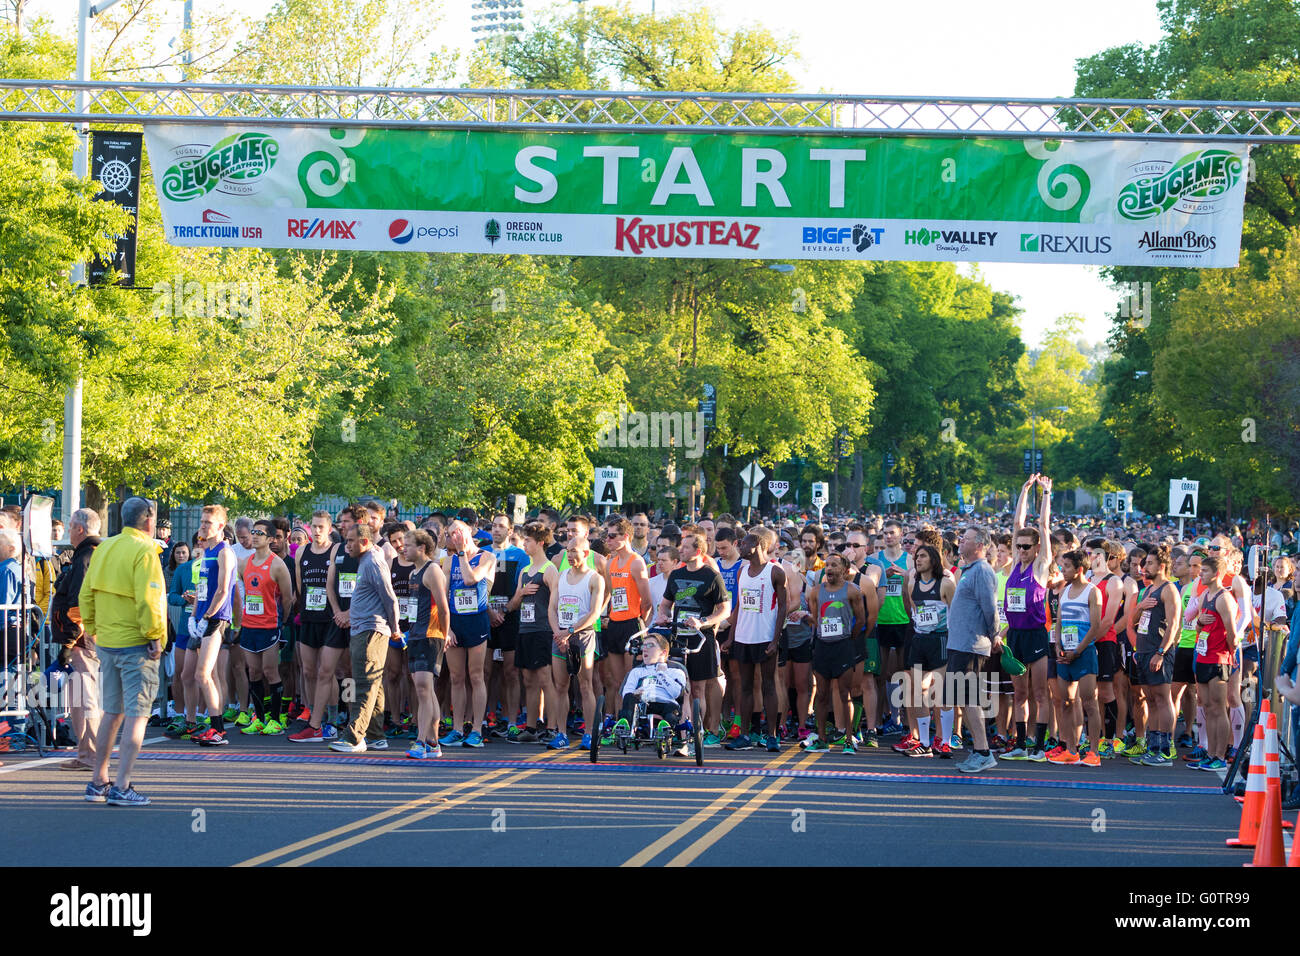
{"type": "Point", "coordinates": [468, 604]}
{"type": "Point", "coordinates": [729, 577]}
{"type": "Point", "coordinates": [205, 592]}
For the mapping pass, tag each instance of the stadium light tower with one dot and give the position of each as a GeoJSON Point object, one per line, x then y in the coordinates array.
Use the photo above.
{"type": "Point", "coordinates": [494, 18]}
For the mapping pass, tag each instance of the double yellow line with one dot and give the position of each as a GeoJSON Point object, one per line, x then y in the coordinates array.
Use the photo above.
{"type": "Point", "coordinates": [351, 834]}
{"type": "Point", "coordinates": [721, 829]}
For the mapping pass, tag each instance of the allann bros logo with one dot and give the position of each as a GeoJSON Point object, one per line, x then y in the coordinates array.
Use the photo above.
{"type": "Point", "coordinates": [231, 166]}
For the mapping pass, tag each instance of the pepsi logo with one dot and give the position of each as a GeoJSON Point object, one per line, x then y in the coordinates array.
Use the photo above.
{"type": "Point", "coordinates": [400, 231]}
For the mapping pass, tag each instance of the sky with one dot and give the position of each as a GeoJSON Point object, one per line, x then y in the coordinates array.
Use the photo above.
{"type": "Point", "coordinates": [994, 48]}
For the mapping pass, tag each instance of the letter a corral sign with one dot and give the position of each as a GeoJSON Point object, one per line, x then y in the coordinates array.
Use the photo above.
{"type": "Point", "coordinates": [609, 486]}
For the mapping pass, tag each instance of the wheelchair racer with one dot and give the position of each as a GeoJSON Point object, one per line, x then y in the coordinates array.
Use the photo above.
{"type": "Point", "coordinates": [661, 684]}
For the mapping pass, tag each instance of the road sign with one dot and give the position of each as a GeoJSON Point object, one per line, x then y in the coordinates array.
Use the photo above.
{"type": "Point", "coordinates": [935, 499]}
{"type": "Point", "coordinates": [1108, 501]}
{"type": "Point", "coordinates": [752, 475]}
{"type": "Point", "coordinates": [920, 497]}
{"type": "Point", "coordinates": [1184, 496]}
{"type": "Point", "coordinates": [749, 497]}
{"type": "Point", "coordinates": [819, 496]}
{"type": "Point", "coordinates": [969, 508]}
{"type": "Point", "coordinates": [518, 505]}
{"type": "Point", "coordinates": [609, 486]}
{"type": "Point", "coordinates": [1124, 504]}
{"type": "Point", "coordinates": [1033, 461]}
{"type": "Point", "coordinates": [778, 488]}
{"type": "Point", "coordinates": [709, 405]}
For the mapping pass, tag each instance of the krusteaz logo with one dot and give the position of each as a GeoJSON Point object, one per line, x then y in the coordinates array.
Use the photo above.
{"type": "Point", "coordinates": [230, 166]}
{"type": "Point", "coordinates": [1194, 179]}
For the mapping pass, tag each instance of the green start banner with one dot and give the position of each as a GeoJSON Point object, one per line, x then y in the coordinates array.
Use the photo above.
{"type": "Point", "coordinates": [702, 195]}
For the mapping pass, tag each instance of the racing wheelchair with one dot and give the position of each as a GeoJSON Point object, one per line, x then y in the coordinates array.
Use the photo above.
{"type": "Point", "coordinates": [649, 728]}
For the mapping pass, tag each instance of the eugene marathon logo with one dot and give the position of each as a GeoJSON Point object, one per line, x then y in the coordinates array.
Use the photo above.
{"type": "Point", "coordinates": [75, 910]}
{"type": "Point", "coordinates": [230, 166]}
{"type": "Point", "coordinates": [1192, 182]}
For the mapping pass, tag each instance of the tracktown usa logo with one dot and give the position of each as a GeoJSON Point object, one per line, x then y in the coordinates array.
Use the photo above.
{"type": "Point", "coordinates": [837, 238]}
{"type": "Point", "coordinates": [216, 225]}
{"type": "Point", "coordinates": [1177, 245]}
{"type": "Point", "coordinates": [492, 232]}
{"type": "Point", "coordinates": [232, 166]}
{"type": "Point", "coordinates": [1049, 242]}
{"type": "Point", "coordinates": [402, 231]}
{"type": "Point", "coordinates": [637, 236]}
{"type": "Point", "coordinates": [322, 228]}
{"type": "Point", "coordinates": [1193, 184]}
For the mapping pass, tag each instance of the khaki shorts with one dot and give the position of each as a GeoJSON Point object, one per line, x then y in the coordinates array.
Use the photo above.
{"type": "Point", "coordinates": [128, 680]}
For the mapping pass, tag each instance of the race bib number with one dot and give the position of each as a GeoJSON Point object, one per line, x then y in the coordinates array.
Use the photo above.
{"type": "Point", "coordinates": [315, 599]}
{"type": "Point", "coordinates": [347, 583]}
{"type": "Point", "coordinates": [568, 612]}
{"type": "Point", "coordinates": [1144, 622]}
{"type": "Point", "coordinates": [201, 590]}
{"type": "Point", "coordinates": [410, 610]}
{"type": "Point", "coordinates": [466, 600]}
{"type": "Point", "coordinates": [894, 588]}
{"type": "Point", "coordinates": [1202, 644]}
{"type": "Point", "coordinates": [253, 605]}
{"type": "Point", "coordinates": [927, 616]}
{"type": "Point", "coordinates": [1001, 618]}
{"type": "Point", "coordinates": [1016, 599]}
{"type": "Point", "coordinates": [1069, 637]}
{"type": "Point", "coordinates": [618, 600]}
{"type": "Point", "coordinates": [751, 599]}
{"type": "Point", "coordinates": [832, 627]}
{"type": "Point", "coordinates": [498, 602]}
{"type": "Point", "coordinates": [527, 613]}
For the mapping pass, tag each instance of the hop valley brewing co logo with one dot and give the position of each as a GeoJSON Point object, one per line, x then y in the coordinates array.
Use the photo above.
{"type": "Point", "coordinates": [233, 166]}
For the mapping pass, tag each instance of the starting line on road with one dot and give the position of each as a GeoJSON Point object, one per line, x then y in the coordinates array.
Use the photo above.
{"type": "Point", "coordinates": [692, 771]}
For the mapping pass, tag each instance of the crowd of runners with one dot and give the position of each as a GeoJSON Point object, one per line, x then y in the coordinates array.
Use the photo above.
{"type": "Point", "coordinates": [1020, 637]}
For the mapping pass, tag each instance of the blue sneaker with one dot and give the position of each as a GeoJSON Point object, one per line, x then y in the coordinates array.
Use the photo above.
{"type": "Point", "coordinates": [955, 742]}
{"type": "Point", "coordinates": [97, 792]}
{"type": "Point", "coordinates": [558, 742]}
{"type": "Point", "coordinates": [126, 798]}
{"type": "Point", "coordinates": [475, 739]}
{"type": "Point", "coordinates": [743, 742]}
{"type": "Point", "coordinates": [609, 722]}
{"type": "Point", "coordinates": [586, 741]}
{"type": "Point", "coordinates": [329, 732]}
{"type": "Point", "coordinates": [453, 739]}
{"type": "Point", "coordinates": [1212, 764]}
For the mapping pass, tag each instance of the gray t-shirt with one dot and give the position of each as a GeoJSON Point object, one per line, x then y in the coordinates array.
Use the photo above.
{"type": "Point", "coordinates": [374, 602]}
{"type": "Point", "coordinates": [972, 618]}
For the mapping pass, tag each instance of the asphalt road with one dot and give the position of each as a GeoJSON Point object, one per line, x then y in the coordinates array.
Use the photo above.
{"type": "Point", "coordinates": [265, 802]}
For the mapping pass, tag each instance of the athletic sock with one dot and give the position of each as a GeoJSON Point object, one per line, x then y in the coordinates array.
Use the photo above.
{"type": "Point", "coordinates": [256, 688]}
{"type": "Point", "coordinates": [923, 730]}
{"type": "Point", "coordinates": [859, 711]}
{"type": "Point", "coordinates": [278, 704]}
{"type": "Point", "coordinates": [1238, 724]}
{"type": "Point", "coordinates": [1020, 733]}
{"type": "Point", "coordinates": [1040, 736]}
{"type": "Point", "coordinates": [218, 721]}
{"type": "Point", "coordinates": [1110, 716]}
{"type": "Point", "coordinates": [945, 724]}
{"type": "Point", "coordinates": [1200, 729]}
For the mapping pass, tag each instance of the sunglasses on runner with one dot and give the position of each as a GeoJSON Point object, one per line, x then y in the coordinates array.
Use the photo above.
{"type": "Point", "coordinates": [1025, 547]}
{"type": "Point", "coordinates": [259, 532]}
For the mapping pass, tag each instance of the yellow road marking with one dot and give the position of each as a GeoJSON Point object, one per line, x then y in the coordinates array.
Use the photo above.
{"type": "Point", "coordinates": [679, 831]}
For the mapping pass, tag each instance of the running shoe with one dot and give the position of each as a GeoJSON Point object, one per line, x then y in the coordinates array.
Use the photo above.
{"type": "Point", "coordinates": [306, 735]}
{"type": "Point", "coordinates": [176, 729]}
{"type": "Point", "coordinates": [522, 735]}
{"type": "Point", "coordinates": [1063, 757]}
{"type": "Point", "coordinates": [453, 739]}
{"type": "Point", "coordinates": [942, 748]}
{"type": "Point", "coordinates": [418, 751]}
{"type": "Point", "coordinates": [756, 738]}
{"type": "Point", "coordinates": [1056, 751]}
{"type": "Point", "coordinates": [891, 728]}
{"type": "Point", "coordinates": [812, 738]}
{"type": "Point", "coordinates": [1187, 741]}
{"type": "Point", "coordinates": [904, 745]}
{"type": "Point", "coordinates": [741, 742]}
{"type": "Point", "coordinates": [774, 745]}
{"type": "Point", "coordinates": [501, 731]}
{"type": "Point", "coordinates": [1118, 746]}
{"type": "Point", "coordinates": [232, 713]}
{"type": "Point", "coordinates": [1015, 753]}
{"type": "Point", "coordinates": [343, 747]}
{"type": "Point", "coordinates": [192, 730]}
{"type": "Point", "coordinates": [998, 742]}
{"type": "Point", "coordinates": [1136, 749]}
{"type": "Point", "coordinates": [329, 732]}
{"type": "Point", "coordinates": [712, 740]}
{"type": "Point", "coordinates": [304, 715]}
{"type": "Point", "coordinates": [871, 739]}
{"type": "Point", "coordinates": [475, 739]}
{"type": "Point", "coordinates": [955, 742]}
{"type": "Point", "coordinates": [586, 742]}
{"type": "Point", "coordinates": [97, 792]}
{"type": "Point", "coordinates": [920, 750]}
{"type": "Point", "coordinates": [849, 746]}
{"type": "Point", "coordinates": [557, 742]}
{"type": "Point", "coordinates": [211, 738]}
{"type": "Point", "coordinates": [380, 743]}
{"type": "Point", "coordinates": [1231, 755]}
{"type": "Point", "coordinates": [815, 744]}
{"type": "Point", "coordinates": [253, 726]}
{"type": "Point", "coordinates": [1171, 753]}
{"type": "Point", "coordinates": [623, 728]}
{"type": "Point", "coordinates": [391, 729]}
{"type": "Point", "coordinates": [803, 733]}
{"type": "Point", "coordinates": [977, 762]}
{"type": "Point", "coordinates": [1213, 764]}
{"type": "Point", "coordinates": [1197, 754]}
{"type": "Point", "coordinates": [685, 748]}
{"type": "Point", "coordinates": [126, 798]}
{"type": "Point", "coordinates": [1156, 759]}
{"type": "Point", "coordinates": [1036, 755]}
{"type": "Point", "coordinates": [242, 719]}
{"type": "Point", "coordinates": [544, 737]}
{"type": "Point", "coordinates": [734, 730]}
{"type": "Point", "coordinates": [273, 728]}
{"type": "Point", "coordinates": [1090, 759]}
{"type": "Point", "coordinates": [1106, 748]}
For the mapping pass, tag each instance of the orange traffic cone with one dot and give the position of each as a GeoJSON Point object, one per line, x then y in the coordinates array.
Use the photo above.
{"type": "Point", "coordinates": [1270, 850]}
{"type": "Point", "coordinates": [1295, 853]}
{"type": "Point", "coordinates": [1256, 786]}
{"type": "Point", "coordinates": [1273, 760]}
{"type": "Point", "coordinates": [1264, 710]}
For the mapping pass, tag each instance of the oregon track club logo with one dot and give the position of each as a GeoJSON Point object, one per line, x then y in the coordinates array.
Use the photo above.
{"type": "Point", "coordinates": [1194, 181]}
{"type": "Point", "coordinates": [230, 166]}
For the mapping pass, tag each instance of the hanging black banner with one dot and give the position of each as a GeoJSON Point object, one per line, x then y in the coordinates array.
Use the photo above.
{"type": "Point", "coordinates": [115, 162]}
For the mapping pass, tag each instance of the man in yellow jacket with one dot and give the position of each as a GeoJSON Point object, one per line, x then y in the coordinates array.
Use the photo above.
{"type": "Point", "coordinates": [124, 606]}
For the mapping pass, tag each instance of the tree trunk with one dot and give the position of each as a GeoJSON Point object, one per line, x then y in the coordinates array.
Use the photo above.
{"type": "Point", "coordinates": [97, 502]}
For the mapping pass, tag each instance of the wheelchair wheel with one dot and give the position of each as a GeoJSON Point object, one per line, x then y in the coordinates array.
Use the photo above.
{"type": "Point", "coordinates": [595, 738]}
{"type": "Point", "coordinates": [696, 723]}
{"type": "Point", "coordinates": [659, 749]}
